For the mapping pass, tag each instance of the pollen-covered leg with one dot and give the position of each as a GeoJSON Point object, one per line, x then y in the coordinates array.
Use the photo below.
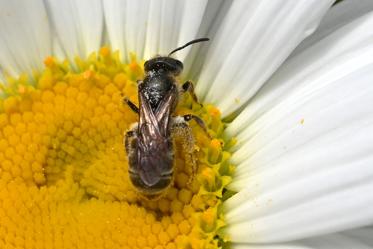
{"type": "Point", "coordinates": [181, 130]}
{"type": "Point", "coordinates": [199, 121]}
{"type": "Point", "coordinates": [189, 87]}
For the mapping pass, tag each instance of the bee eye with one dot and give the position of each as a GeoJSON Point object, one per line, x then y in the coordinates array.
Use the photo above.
{"type": "Point", "coordinates": [166, 64]}
{"type": "Point", "coordinates": [146, 66]}
{"type": "Point", "coordinates": [178, 67]}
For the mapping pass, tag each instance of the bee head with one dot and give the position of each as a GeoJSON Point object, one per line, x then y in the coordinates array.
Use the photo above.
{"type": "Point", "coordinates": [166, 64]}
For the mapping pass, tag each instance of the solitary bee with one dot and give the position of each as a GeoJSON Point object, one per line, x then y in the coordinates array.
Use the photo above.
{"type": "Point", "coordinates": [149, 143]}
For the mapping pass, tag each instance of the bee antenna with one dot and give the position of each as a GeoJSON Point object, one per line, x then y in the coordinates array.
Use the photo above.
{"type": "Point", "coordinates": [189, 43]}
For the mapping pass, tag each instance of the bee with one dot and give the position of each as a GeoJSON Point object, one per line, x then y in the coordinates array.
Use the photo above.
{"type": "Point", "coordinates": [149, 142]}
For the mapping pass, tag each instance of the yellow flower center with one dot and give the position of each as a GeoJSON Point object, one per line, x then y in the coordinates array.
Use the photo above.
{"type": "Point", "coordinates": [64, 172]}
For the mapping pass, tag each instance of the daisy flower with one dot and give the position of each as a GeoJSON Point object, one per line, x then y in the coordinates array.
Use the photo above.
{"type": "Point", "coordinates": [287, 93]}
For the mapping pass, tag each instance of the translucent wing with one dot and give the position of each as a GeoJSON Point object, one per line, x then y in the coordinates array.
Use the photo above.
{"type": "Point", "coordinates": [155, 160]}
{"type": "Point", "coordinates": [165, 109]}
{"type": "Point", "coordinates": [155, 147]}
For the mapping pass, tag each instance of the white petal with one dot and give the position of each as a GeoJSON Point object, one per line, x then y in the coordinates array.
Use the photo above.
{"type": "Point", "coordinates": [2, 81]}
{"type": "Point", "coordinates": [336, 241]}
{"type": "Point", "coordinates": [328, 60]}
{"type": "Point", "coordinates": [58, 50]}
{"type": "Point", "coordinates": [319, 203]}
{"type": "Point", "coordinates": [121, 19]}
{"type": "Point", "coordinates": [214, 14]}
{"type": "Point", "coordinates": [357, 239]}
{"type": "Point", "coordinates": [25, 38]}
{"type": "Point", "coordinates": [252, 42]}
{"type": "Point", "coordinates": [336, 17]}
{"type": "Point", "coordinates": [148, 28]}
{"type": "Point", "coordinates": [362, 234]}
{"type": "Point", "coordinates": [78, 25]}
{"type": "Point", "coordinates": [305, 163]}
{"type": "Point", "coordinates": [354, 239]}
{"type": "Point", "coordinates": [283, 246]}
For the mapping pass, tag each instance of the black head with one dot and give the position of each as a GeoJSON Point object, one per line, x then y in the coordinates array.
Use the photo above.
{"type": "Point", "coordinates": [166, 64]}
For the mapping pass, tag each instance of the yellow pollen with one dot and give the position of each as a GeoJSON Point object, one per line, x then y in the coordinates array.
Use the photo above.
{"type": "Point", "coordinates": [208, 175]}
{"type": "Point", "coordinates": [64, 179]}
{"type": "Point", "coordinates": [21, 89]}
{"type": "Point", "coordinates": [49, 61]}
{"type": "Point", "coordinates": [215, 150]}
{"type": "Point", "coordinates": [208, 219]}
{"type": "Point", "coordinates": [87, 75]}
{"type": "Point", "coordinates": [105, 51]}
{"type": "Point", "coordinates": [214, 111]}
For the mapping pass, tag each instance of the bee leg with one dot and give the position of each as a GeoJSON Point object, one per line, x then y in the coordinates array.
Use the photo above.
{"type": "Point", "coordinates": [181, 130]}
{"type": "Point", "coordinates": [199, 121]}
{"type": "Point", "coordinates": [189, 87]}
{"type": "Point", "coordinates": [131, 105]}
{"type": "Point", "coordinates": [131, 146]}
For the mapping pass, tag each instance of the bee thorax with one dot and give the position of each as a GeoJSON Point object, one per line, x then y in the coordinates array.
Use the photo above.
{"type": "Point", "coordinates": [155, 87]}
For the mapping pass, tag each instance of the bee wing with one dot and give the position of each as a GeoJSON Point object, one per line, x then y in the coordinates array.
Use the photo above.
{"type": "Point", "coordinates": [155, 148]}
{"type": "Point", "coordinates": [160, 119]}
{"type": "Point", "coordinates": [155, 161]}
{"type": "Point", "coordinates": [165, 109]}
{"type": "Point", "coordinates": [148, 118]}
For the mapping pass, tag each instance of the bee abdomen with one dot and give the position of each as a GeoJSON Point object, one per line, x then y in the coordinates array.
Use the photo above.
{"type": "Point", "coordinates": [154, 190]}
